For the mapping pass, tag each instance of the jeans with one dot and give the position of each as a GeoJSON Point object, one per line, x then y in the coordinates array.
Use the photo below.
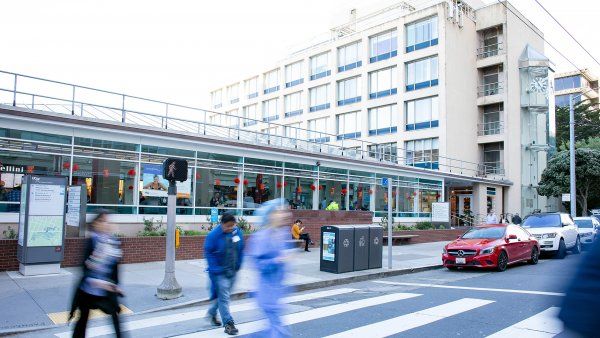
{"type": "Point", "coordinates": [224, 285]}
{"type": "Point", "coordinates": [306, 239]}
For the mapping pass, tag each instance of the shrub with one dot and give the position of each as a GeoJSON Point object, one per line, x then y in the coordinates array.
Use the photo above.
{"type": "Point", "coordinates": [243, 224]}
{"type": "Point", "coordinates": [402, 227]}
{"type": "Point", "coordinates": [424, 226]}
{"type": "Point", "coordinates": [9, 233]}
{"type": "Point", "coordinates": [194, 233]}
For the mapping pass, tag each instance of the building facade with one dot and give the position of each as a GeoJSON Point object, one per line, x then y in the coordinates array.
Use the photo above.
{"type": "Point", "coordinates": [583, 85]}
{"type": "Point", "coordinates": [425, 87]}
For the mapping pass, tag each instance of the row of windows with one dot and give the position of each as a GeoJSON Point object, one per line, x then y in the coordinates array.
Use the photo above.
{"type": "Point", "coordinates": [420, 34]}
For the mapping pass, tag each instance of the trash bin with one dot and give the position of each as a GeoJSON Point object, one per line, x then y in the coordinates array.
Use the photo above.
{"type": "Point", "coordinates": [375, 246]}
{"type": "Point", "coordinates": [361, 247]}
{"type": "Point", "coordinates": [337, 246]}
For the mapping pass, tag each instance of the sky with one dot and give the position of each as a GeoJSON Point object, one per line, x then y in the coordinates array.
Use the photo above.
{"type": "Point", "coordinates": [178, 51]}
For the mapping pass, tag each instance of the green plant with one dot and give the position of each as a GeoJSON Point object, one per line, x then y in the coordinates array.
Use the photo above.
{"type": "Point", "coordinates": [194, 232]}
{"type": "Point", "coordinates": [9, 233]}
{"type": "Point", "coordinates": [424, 226]}
{"type": "Point", "coordinates": [402, 227]}
{"type": "Point", "coordinates": [211, 224]}
{"type": "Point", "coordinates": [243, 224]}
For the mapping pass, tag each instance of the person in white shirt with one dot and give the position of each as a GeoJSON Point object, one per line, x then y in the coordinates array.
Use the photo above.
{"type": "Point", "coordinates": [491, 218]}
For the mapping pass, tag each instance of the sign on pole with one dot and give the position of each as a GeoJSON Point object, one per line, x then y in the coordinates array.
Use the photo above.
{"type": "Point", "coordinates": [440, 212]}
{"type": "Point", "coordinates": [566, 197]}
{"type": "Point", "coordinates": [384, 182]}
{"type": "Point", "coordinates": [214, 215]}
{"type": "Point", "coordinates": [76, 207]}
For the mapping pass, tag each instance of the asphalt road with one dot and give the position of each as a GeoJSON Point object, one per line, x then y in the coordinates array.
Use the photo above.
{"type": "Point", "coordinates": [520, 302]}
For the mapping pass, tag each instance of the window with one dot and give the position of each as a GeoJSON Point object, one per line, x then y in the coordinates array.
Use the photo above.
{"type": "Point", "coordinates": [319, 98]}
{"type": "Point", "coordinates": [383, 46]}
{"type": "Point", "coordinates": [492, 158]}
{"type": "Point", "coordinates": [349, 91]}
{"type": "Point", "coordinates": [319, 66]}
{"type": "Point", "coordinates": [492, 123]}
{"type": "Point", "coordinates": [272, 81]}
{"type": "Point", "coordinates": [383, 82]}
{"type": "Point", "coordinates": [250, 115]}
{"type": "Point", "coordinates": [569, 82]}
{"type": "Point", "coordinates": [348, 126]}
{"type": "Point", "coordinates": [317, 130]}
{"type": "Point", "coordinates": [491, 42]}
{"type": "Point", "coordinates": [422, 73]}
{"type": "Point", "coordinates": [292, 130]}
{"type": "Point", "coordinates": [422, 113]}
{"type": "Point", "coordinates": [233, 93]}
{"type": "Point", "coordinates": [269, 131]}
{"type": "Point", "coordinates": [217, 98]}
{"type": "Point", "coordinates": [384, 151]}
{"type": "Point", "coordinates": [422, 34]}
{"type": "Point", "coordinates": [251, 87]}
{"type": "Point", "coordinates": [349, 57]}
{"type": "Point", "coordinates": [492, 81]}
{"type": "Point", "coordinates": [423, 153]}
{"type": "Point", "coordinates": [563, 100]}
{"type": "Point", "coordinates": [293, 104]}
{"type": "Point", "coordinates": [293, 74]}
{"type": "Point", "coordinates": [270, 110]}
{"type": "Point", "coordinates": [383, 120]}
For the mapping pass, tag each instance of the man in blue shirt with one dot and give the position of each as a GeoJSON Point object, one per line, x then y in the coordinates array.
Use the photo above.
{"type": "Point", "coordinates": [223, 249]}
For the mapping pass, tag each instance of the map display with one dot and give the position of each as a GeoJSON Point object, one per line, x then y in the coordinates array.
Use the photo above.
{"type": "Point", "coordinates": [46, 199]}
{"type": "Point", "coordinates": [329, 246]}
{"type": "Point", "coordinates": [45, 231]}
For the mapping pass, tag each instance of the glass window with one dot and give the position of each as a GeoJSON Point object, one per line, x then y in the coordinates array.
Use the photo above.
{"type": "Point", "coordinates": [422, 73]}
{"type": "Point", "coordinates": [272, 81]}
{"type": "Point", "coordinates": [383, 120]}
{"type": "Point", "coordinates": [422, 34]}
{"type": "Point", "coordinates": [293, 104]}
{"type": "Point", "coordinates": [319, 98]}
{"type": "Point", "coordinates": [422, 113]}
{"type": "Point", "coordinates": [270, 110]}
{"type": "Point", "coordinates": [349, 91]}
{"type": "Point", "coordinates": [42, 137]}
{"type": "Point", "coordinates": [584, 223]}
{"type": "Point", "coordinates": [349, 56]}
{"type": "Point", "coordinates": [319, 66]}
{"type": "Point", "coordinates": [293, 74]}
{"type": "Point", "coordinates": [384, 151]}
{"type": "Point", "coordinates": [563, 100]}
{"type": "Point", "coordinates": [383, 82]}
{"type": "Point", "coordinates": [542, 221]}
{"type": "Point", "coordinates": [485, 233]}
{"type": "Point", "coordinates": [383, 46]}
{"type": "Point", "coordinates": [258, 189]}
{"type": "Point", "coordinates": [216, 188]}
{"type": "Point", "coordinates": [422, 153]}
{"type": "Point", "coordinates": [318, 129]}
{"type": "Point", "coordinates": [297, 191]}
{"type": "Point", "coordinates": [217, 98]}
{"type": "Point", "coordinates": [292, 130]}
{"type": "Point", "coordinates": [251, 87]}
{"type": "Point", "coordinates": [233, 93]}
{"type": "Point", "coordinates": [348, 126]}
{"type": "Point", "coordinates": [251, 115]}
{"type": "Point", "coordinates": [568, 82]}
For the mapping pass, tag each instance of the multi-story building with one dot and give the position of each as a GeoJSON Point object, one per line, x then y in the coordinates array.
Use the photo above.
{"type": "Point", "coordinates": [583, 85]}
{"type": "Point", "coordinates": [419, 86]}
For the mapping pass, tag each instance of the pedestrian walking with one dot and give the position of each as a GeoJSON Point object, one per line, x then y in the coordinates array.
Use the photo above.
{"type": "Point", "coordinates": [517, 219]}
{"type": "Point", "coordinates": [98, 288]}
{"type": "Point", "coordinates": [333, 206]}
{"type": "Point", "coordinates": [491, 218]}
{"type": "Point", "coordinates": [267, 249]}
{"type": "Point", "coordinates": [223, 248]}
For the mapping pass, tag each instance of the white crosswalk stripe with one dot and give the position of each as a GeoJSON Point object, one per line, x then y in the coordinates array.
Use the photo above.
{"type": "Point", "coordinates": [412, 320]}
{"type": "Point", "coordinates": [442, 286]}
{"type": "Point", "coordinates": [196, 314]}
{"type": "Point", "coordinates": [305, 316]}
{"type": "Point", "coordinates": [542, 325]}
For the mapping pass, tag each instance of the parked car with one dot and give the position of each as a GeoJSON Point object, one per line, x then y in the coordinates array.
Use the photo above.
{"type": "Point", "coordinates": [588, 228]}
{"type": "Point", "coordinates": [491, 246]}
{"type": "Point", "coordinates": [555, 231]}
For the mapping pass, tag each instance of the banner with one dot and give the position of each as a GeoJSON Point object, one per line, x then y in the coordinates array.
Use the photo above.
{"type": "Point", "coordinates": [154, 185]}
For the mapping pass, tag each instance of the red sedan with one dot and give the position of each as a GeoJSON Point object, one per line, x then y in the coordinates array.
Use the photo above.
{"type": "Point", "coordinates": [491, 246]}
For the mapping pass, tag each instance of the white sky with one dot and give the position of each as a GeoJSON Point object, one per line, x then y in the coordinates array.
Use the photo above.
{"type": "Point", "coordinates": [179, 50]}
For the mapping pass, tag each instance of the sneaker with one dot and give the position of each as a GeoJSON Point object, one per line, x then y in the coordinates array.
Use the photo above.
{"type": "Point", "coordinates": [230, 328]}
{"type": "Point", "coordinates": [312, 243]}
{"type": "Point", "coordinates": [307, 250]}
{"type": "Point", "coordinates": [214, 321]}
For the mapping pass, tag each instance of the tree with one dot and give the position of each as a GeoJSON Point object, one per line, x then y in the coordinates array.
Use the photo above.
{"type": "Point", "coordinates": [590, 143]}
{"type": "Point", "coordinates": [587, 122]}
{"type": "Point", "coordinates": [555, 178]}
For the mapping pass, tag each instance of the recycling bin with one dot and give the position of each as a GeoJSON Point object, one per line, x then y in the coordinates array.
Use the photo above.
{"type": "Point", "coordinates": [361, 247]}
{"type": "Point", "coordinates": [375, 246]}
{"type": "Point", "coordinates": [337, 248]}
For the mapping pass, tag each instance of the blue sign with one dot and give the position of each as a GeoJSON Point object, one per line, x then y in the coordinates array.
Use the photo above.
{"type": "Point", "coordinates": [384, 181]}
{"type": "Point", "coordinates": [214, 215]}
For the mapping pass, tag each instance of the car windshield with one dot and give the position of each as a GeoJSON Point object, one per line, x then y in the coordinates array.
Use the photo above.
{"type": "Point", "coordinates": [584, 223]}
{"type": "Point", "coordinates": [542, 221]}
{"type": "Point", "coordinates": [483, 233]}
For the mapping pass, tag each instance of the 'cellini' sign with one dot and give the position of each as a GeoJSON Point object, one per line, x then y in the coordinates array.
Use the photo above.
{"type": "Point", "coordinates": [9, 168]}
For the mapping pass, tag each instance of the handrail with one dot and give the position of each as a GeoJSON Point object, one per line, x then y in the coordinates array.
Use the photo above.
{"type": "Point", "coordinates": [492, 88]}
{"type": "Point", "coordinates": [489, 50]}
{"type": "Point", "coordinates": [490, 128]}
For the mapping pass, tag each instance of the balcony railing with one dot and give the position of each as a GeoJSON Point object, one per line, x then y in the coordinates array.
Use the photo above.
{"type": "Point", "coordinates": [491, 169]}
{"type": "Point", "coordinates": [490, 128]}
{"type": "Point", "coordinates": [490, 50]}
{"type": "Point", "coordinates": [488, 89]}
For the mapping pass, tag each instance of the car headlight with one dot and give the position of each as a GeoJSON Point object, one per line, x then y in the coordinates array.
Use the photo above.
{"type": "Point", "coordinates": [487, 251]}
{"type": "Point", "coordinates": [550, 235]}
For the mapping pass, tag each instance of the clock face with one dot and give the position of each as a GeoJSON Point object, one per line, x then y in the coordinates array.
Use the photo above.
{"type": "Point", "coordinates": [539, 85]}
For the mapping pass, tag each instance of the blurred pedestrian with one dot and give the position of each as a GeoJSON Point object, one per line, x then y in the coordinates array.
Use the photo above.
{"type": "Point", "coordinates": [223, 248]}
{"type": "Point", "coordinates": [491, 218]}
{"type": "Point", "coordinates": [517, 219]}
{"type": "Point", "coordinates": [99, 285]}
{"type": "Point", "coordinates": [267, 248]}
{"type": "Point", "coordinates": [333, 206]}
{"type": "Point", "coordinates": [579, 311]}
{"type": "Point", "coordinates": [297, 233]}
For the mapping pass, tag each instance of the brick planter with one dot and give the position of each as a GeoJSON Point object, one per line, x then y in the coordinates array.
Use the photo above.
{"type": "Point", "coordinates": [427, 236]}
{"type": "Point", "coordinates": [312, 220]}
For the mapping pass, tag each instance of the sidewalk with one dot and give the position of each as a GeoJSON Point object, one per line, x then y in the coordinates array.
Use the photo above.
{"type": "Point", "coordinates": [30, 302]}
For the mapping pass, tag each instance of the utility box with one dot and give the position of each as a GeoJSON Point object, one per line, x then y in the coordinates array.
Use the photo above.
{"type": "Point", "coordinates": [337, 248]}
{"type": "Point", "coordinates": [361, 247]}
{"type": "Point", "coordinates": [375, 246]}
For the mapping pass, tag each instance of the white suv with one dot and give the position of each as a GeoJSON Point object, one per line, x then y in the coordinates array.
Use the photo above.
{"type": "Point", "coordinates": [556, 232]}
{"type": "Point", "coordinates": [588, 229]}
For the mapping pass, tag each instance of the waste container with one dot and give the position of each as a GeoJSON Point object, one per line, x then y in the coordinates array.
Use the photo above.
{"type": "Point", "coordinates": [337, 246]}
{"type": "Point", "coordinates": [361, 247]}
{"type": "Point", "coordinates": [375, 246]}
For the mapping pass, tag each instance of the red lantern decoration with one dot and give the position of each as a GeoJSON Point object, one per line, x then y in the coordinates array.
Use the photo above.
{"type": "Point", "coordinates": [279, 185]}
{"type": "Point", "coordinates": [30, 169]}
{"type": "Point", "coordinates": [320, 187]}
{"type": "Point", "coordinates": [66, 165]}
{"type": "Point", "coordinates": [105, 172]}
{"type": "Point", "coordinates": [312, 187]}
{"type": "Point", "coordinates": [344, 191]}
{"type": "Point", "coordinates": [131, 172]}
{"type": "Point", "coordinates": [217, 182]}
{"type": "Point", "coordinates": [415, 193]}
{"type": "Point", "coordinates": [236, 180]}
{"type": "Point", "coordinates": [198, 175]}
{"type": "Point", "coordinates": [75, 167]}
{"type": "Point", "coordinates": [370, 191]}
{"type": "Point", "coordinates": [131, 187]}
{"type": "Point", "coordinates": [437, 196]}
{"type": "Point", "coordinates": [299, 190]}
{"type": "Point", "coordinates": [245, 182]}
{"type": "Point", "coordinates": [285, 184]}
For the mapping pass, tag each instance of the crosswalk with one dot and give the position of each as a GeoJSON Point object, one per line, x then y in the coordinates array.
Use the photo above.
{"type": "Point", "coordinates": [349, 302]}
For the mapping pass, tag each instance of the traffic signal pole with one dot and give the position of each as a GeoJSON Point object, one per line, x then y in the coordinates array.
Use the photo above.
{"type": "Point", "coordinates": [169, 288]}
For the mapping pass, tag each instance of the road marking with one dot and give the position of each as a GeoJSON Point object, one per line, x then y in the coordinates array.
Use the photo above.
{"type": "Point", "coordinates": [305, 316]}
{"type": "Point", "coordinates": [63, 317]}
{"type": "Point", "coordinates": [542, 325]}
{"type": "Point", "coordinates": [529, 292]}
{"type": "Point", "coordinates": [196, 314]}
{"type": "Point", "coordinates": [413, 320]}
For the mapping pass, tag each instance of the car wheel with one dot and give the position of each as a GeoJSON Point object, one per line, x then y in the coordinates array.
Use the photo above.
{"type": "Point", "coordinates": [535, 256]}
{"type": "Point", "coordinates": [577, 247]}
{"type": "Point", "coordinates": [562, 249]}
{"type": "Point", "coordinates": [502, 261]}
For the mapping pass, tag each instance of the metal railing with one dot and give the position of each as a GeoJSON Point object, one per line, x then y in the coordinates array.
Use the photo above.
{"type": "Point", "coordinates": [490, 128]}
{"type": "Point", "coordinates": [490, 50]}
{"type": "Point", "coordinates": [488, 89]}
{"type": "Point", "coordinates": [70, 99]}
{"type": "Point", "coordinates": [491, 169]}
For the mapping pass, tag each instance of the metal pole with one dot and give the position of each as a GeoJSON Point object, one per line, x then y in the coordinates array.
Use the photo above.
{"type": "Point", "coordinates": [572, 156]}
{"type": "Point", "coordinates": [73, 102]}
{"type": "Point", "coordinates": [15, 92]}
{"type": "Point", "coordinates": [390, 222]}
{"type": "Point", "coordinates": [169, 288]}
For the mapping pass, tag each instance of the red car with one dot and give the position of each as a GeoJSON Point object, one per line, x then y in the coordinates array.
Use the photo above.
{"type": "Point", "coordinates": [491, 246]}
